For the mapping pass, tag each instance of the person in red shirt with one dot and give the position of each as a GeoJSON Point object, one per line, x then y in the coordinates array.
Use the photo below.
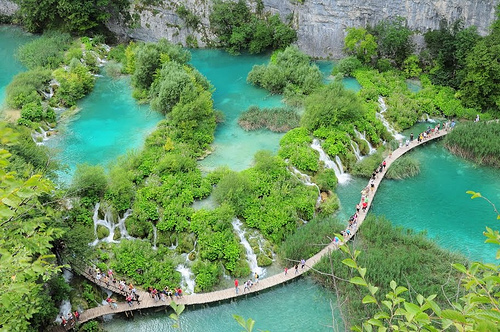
{"type": "Point", "coordinates": [236, 283]}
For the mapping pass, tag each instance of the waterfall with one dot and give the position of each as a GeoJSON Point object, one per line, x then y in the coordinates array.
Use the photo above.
{"type": "Point", "coordinates": [426, 118]}
{"type": "Point", "coordinates": [110, 225]}
{"type": "Point", "coordinates": [336, 166]}
{"type": "Point", "coordinates": [306, 180]}
{"type": "Point", "coordinates": [187, 282]}
{"type": "Point", "coordinates": [363, 137]}
{"type": "Point", "coordinates": [40, 137]}
{"type": "Point", "coordinates": [65, 306]}
{"type": "Point", "coordinates": [252, 258]}
{"type": "Point", "coordinates": [387, 125]}
{"type": "Point", "coordinates": [355, 149]}
{"type": "Point", "coordinates": [48, 95]}
{"type": "Point", "coordinates": [154, 237]}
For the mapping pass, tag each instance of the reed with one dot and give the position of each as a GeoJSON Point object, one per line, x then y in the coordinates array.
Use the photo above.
{"type": "Point", "coordinates": [404, 167]}
{"type": "Point", "coordinates": [277, 119]}
{"type": "Point", "coordinates": [477, 142]}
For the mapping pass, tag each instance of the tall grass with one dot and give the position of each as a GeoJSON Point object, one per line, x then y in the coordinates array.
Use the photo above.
{"type": "Point", "coordinates": [404, 167]}
{"type": "Point", "coordinates": [309, 239]}
{"type": "Point", "coordinates": [277, 119]}
{"type": "Point", "coordinates": [478, 142]}
{"type": "Point", "coordinates": [392, 253]}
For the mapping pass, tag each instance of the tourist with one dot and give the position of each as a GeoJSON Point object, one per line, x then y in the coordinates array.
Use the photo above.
{"type": "Point", "coordinates": [110, 274]}
{"type": "Point", "coordinates": [63, 321]}
{"type": "Point", "coordinates": [286, 270]}
{"type": "Point", "coordinates": [407, 143]}
{"type": "Point", "coordinates": [303, 263]}
{"type": "Point", "coordinates": [179, 291]}
{"type": "Point", "coordinates": [384, 164]}
{"type": "Point", "coordinates": [452, 124]}
{"type": "Point", "coordinates": [358, 207]}
{"type": "Point", "coordinates": [247, 286]}
{"type": "Point", "coordinates": [136, 298]}
{"type": "Point", "coordinates": [77, 315]}
{"type": "Point", "coordinates": [411, 137]}
{"type": "Point", "coordinates": [256, 276]}
{"type": "Point", "coordinates": [296, 268]}
{"type": "Point", "coordinates": [130, 287]}
{"type": "Point", "coordinates": [121, 285]}
{"type": "Point", "coordinates": [98, 276]}
{"type": "Point", "coordinates": [129, 300]}
{"type": "Point", "coordinates": [236, 283]}
{"type": "Point", "coordinates": [477, 118]}
{"type": "Point", "coordinates": [372, 184]}
{"type": "Point", "coordinates": [112, 303]}
{"type": "Point", "coordinates": [365, 206]}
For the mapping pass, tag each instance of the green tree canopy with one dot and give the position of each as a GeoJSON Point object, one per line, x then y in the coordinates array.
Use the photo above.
{"type": "Point", "coordinates": [394, 40]}
{"type": "Point", "coordinates": [360, 43]}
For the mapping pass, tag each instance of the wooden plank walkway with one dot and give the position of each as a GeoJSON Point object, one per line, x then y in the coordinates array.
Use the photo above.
{"type": "Point", "coordinates": [227, 294]}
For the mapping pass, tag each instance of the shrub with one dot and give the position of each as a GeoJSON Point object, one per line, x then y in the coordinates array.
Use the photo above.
{"type": "Point", "coordinates": [24, 87]}
{"type": "Point", "coordinates": [347, 66]}
{"type": "Point", "coordinates": [289, 69]}
{"type": "Point", "coordinates": [45, 52]}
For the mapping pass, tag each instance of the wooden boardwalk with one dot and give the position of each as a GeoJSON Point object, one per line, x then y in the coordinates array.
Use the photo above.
{"type": "Point", "coordinates": [227, 294]}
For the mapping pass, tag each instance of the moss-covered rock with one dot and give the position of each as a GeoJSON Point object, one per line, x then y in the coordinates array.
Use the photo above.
{"type": "Point", "coordinates": [263, 260]}
{"type": "Point", "coordinates": [102, 232]}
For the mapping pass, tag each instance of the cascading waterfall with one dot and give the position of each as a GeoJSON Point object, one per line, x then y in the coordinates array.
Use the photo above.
{"type": "Point", "coordinates": [426, 118]}
{"type": "Point", "coordinates": [387, 125]}
{"type": "Point", "coordinates": [251, 256]}
{"type": "Point", "coordinates": [40, 137]}
{"type": "Point", "coordinates": [362, 136]}
{"type": "Point", "coordinates": [154, 237]}
{"type": "Point", "coordinates": [306, 180]}
{"type": "Point", "coordinates": [336, 166]}
{"type": "Point", "coordinates": [187, 281]}
{"type": "Point", "coordinates": [110, 225]}
{"type": "Point", "coordinates": [355, 149]}
{"type": "Point", "coordinates": [65, 307]}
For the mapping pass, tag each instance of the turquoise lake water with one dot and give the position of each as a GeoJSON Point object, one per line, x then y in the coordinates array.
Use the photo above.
{"type": "Point", "coordinates": [10, 39]}
{"type": "Point", "coordinates": [298, 306]}
{"type": "Point", "coordinates": [435, 201]}
{"type": "Point", "coordinates": [235, 147]}
{"type": "Point", "coordinates": [109, 124]}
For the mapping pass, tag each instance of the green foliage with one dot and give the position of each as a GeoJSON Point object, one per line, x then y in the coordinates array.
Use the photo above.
{"type": "Point", "coordinates": [278, 119]}
{"type": "Point", "coordinates": [188, 17]}
{"type": "Point", "coordinates": [46, 51]}
{"type": "Point", "coordinates": [24, 87]}
{"type": "Point", "coordinates": [207, 275]}
{"type": "Point", "coordinates": [268, 197]}
{"type": "Point", "coordinates": [477, 142]}
{"type": "Point", "coordinates": [75, 83]}
{"type": "Point", "coordinates": [394, 40]}
{"type": "Point", "coordinates": [247, 325]}
{"type": "Point", "coordinates": [448, 47]}
{"type": "Point", "coordinates": [367, 165]}
{"type": "Point", "coordinates": [289, 69]}
{"type": "Point", "coordinates": [480, 86]}
{"type": "Point", "coordinates": [326, 179]}
{"type": "Point", "coordinates": [361, 44]}
{"type": "Point", "coordinates": [404, 167]}
{"type": "Point", "coordinates": [147, 267]}
{"type": "Point", "coordinates": [331, 105]}
{"type": "Point", "coordinates": [92, 326]}
{"type": "Point", "coordinates": [411, 66]}
{"type": "Point", "coordinates": [347, 66]}
{"type": "Point", "coordinates": [73, 16]}
{"type": "Point", "coordinates": [411, 259]}
{"type": "Point", "coordinates": [25, 241]}
{"type": "Point", "coordinates": [178, 309]}
{"type": "Point", "coordinates": [238, 29]}
{"type": "Point", "coordinates": [89, 181]}
{"type": "Point", "coordinates": [309, 239]}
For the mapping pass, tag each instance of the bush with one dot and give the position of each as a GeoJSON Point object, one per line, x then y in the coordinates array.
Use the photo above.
{"type": "Point", "coordinates": [347, 66]}
{"type": "Point", "coordinates": [44, 52]}
{"type": "Point", "coordinates": [207, 275]}
{"type": "Point", "coordinates": [24, 87]}
{"type": "Point", "coordinates": [366, 166]}
{"type": "Point", "coordinates": [290, 69]}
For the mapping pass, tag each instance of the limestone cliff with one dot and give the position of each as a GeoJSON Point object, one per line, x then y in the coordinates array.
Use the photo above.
{"type": "Point", "coordinates": [320, 24]}
{"type": "Point", "coordinates": [7, 8]}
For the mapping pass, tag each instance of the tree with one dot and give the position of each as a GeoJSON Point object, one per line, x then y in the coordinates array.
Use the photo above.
{"type": "Point", "coordinates": [394, 42]}
{"type": "Point", "coordinates": [78, 16]}
{"type": "Point", "coordinates": [480, 86]}
{"type": "Point", "coordinates": [25, 242]}
{"type": "Point", "coordinates": [360, 43]}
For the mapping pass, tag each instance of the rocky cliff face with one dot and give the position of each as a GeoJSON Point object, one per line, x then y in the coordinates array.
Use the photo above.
{"type": "Point", "coordinates": [320, 24]}
{"type": "Point", "coordinates": [7, 8]}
